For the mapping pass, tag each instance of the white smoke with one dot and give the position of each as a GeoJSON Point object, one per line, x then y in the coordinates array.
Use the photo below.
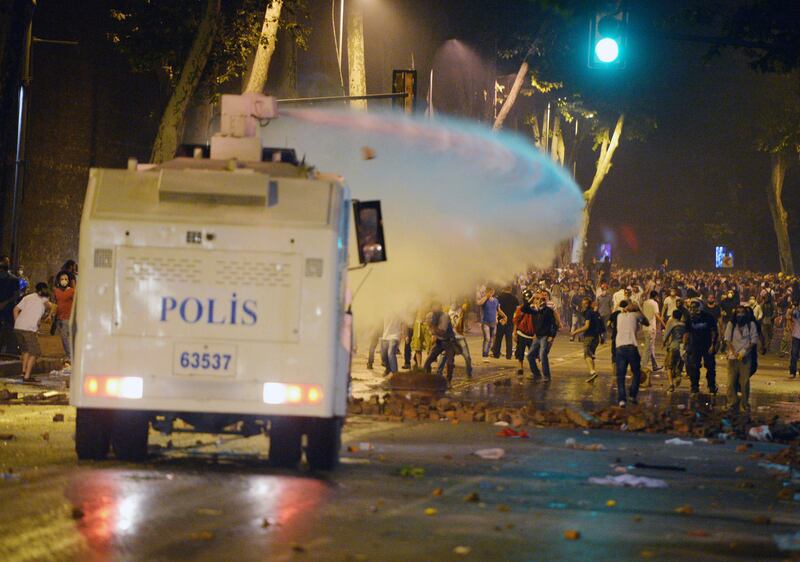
{"type": "Point", "coordinates": [461, 204]}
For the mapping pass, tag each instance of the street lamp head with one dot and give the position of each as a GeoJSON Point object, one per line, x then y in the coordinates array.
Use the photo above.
{"type": "Point", "coordinates": [606, 50]}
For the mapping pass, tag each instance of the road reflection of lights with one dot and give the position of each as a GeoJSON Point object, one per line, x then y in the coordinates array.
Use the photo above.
{"type": "Point", "coordinates": [128, 514]}
{"type": "Point", "coordinates": [285, 499]}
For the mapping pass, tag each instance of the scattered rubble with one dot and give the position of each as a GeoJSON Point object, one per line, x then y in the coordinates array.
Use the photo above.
{"type": "Point", "coordinates": [703, 423]}
{"type": "Point", "coordinates": [571, 443]}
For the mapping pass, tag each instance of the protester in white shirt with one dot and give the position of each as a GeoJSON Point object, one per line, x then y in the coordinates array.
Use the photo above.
{"type": "Point", "coordinates": [27, 315]}
{"type": "Point", "coordinates": [650, 311]}
{"type": "Point", "coordinates": [627, 351]}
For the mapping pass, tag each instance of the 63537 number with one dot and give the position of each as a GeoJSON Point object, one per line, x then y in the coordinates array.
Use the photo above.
{"type": "Point", "coordinates": [205, 361]}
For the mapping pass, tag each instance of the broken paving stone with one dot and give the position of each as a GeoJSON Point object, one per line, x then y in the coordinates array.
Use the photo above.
{"type": "Point", "coordinates": [572, 535]}
{"type": "Point", "coordinates": [6, 436]}
{"type": "Point", "coordinates": [472, 497]}
{"type": "Point", "coordinates": [431, 511]}
{"type": "Point", "coordinates": [437, 492]}
{"type": "Point", "coordinates": [636, 423]}
{"type": "Point", "coordinates": [685, 510]}
{"type": "Point", "coordinates": [462, 550]}
{"type": "Point", "coordinates": [207, 511]}
{"type": "Point", "coordinates": [58, 418]}
{"type": "Point", "coordinates": [743, 448]}
{"type": "Point", "coordinates": [581, 418]}
{"type": "Point", "coordinates": [76, 513]}
{"type": "Point", "coordinates": [412, 472]}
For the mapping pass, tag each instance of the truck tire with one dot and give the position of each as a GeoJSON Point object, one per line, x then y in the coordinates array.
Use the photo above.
{"type": "Point", "coordinates": [324, 442]}
{"type": "Point", "coordinates": [285, 443]}
{"type": "Point", "coordinates": [92, 433]}
{"type": "Point", "coordinates": [129, 435]}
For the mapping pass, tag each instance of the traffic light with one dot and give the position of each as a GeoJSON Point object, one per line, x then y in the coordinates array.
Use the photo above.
{"type": "Point", "coordinates": [608, 31]}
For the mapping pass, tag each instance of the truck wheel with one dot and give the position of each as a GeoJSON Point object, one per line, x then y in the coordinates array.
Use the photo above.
{"type": "Point", "coordinates": [285, 447]}
{"type": "Point", "coordinates": [129, 435]}
{"type": "Point", "coordinates": [324, 442]}
{"type": "Point", "coordinates": [92, 433]}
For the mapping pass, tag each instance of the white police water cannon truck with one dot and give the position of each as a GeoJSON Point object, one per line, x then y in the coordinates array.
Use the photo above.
{"type": "Point", "coordinates": [213, 291]}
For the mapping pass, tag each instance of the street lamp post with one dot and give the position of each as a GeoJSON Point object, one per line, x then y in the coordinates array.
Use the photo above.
{"type": "Point", "coordinates": [23, 103]}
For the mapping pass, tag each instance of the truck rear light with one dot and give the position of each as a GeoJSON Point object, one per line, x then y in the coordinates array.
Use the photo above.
{"type": "Point", "coordinates": [280, 393]}
{"type": "Point", "coordinates": [114, 387]}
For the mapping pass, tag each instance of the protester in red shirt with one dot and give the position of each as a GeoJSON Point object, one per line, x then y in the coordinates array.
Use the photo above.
{"type": "Point", "coordinates": [64, 294]}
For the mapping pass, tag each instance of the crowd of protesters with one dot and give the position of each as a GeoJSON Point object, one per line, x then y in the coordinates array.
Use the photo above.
{"type": "Point", "coordinates": [695, 317]}
{"type": "Point", "coordinates": [24, 307]}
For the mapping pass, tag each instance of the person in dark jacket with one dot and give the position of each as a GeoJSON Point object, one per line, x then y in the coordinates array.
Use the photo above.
{"type": "Point", "coordinates": [545, 328]}
{"type": "Point", "coordinates": [9, 296]}
{"type": "Point", "coordinates": [592, 329]}
{"type": "Point", "coordinates": [505, 330]}
{"type": "Point", "coordinates": [441, 327]}
{"type": "Point", "coordinates": [701, 338]}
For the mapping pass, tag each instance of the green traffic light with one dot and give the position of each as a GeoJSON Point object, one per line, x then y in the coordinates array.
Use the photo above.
{"type": "Point", "coordinates": [606, 50]}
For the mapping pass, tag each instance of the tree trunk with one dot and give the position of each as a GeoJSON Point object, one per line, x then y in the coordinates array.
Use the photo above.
{"type": "Point", "coordinates": [259, 73]}
{"type": "Point", "coordinates": [780, 218]}
{"type": "Point", "coordinates": [355, 56]}
{"type": "Point", "coordinates": [607, 149]}
{"type": "Point", "coordinates": [557, 142]}
{"type": "Point", "coordinates": [512, 95]}
{"type": "Point", "coordinates": [174, 116]}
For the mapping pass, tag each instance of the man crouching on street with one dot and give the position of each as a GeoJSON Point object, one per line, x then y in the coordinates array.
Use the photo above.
{"type": "Point", "coordinates": [27, 315]}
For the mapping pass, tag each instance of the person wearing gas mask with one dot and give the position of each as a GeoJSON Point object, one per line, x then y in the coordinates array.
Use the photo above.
{"type": "Point", "coordinates": [701, 339]}
{"type": "Point", "coordinates": [523, 328]}
{"type": "Point", "coordinates": [740, 337]}
{"type": "Point", "coordinates": [64, 294]}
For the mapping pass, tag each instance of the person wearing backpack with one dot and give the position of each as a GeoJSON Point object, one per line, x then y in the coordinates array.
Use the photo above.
{"type": "Point", "coordinates": [740, 337]}
{"type": "Point", "coordinates": [592, 330]}
{"type": "Point", "coordinates": [523, 327]}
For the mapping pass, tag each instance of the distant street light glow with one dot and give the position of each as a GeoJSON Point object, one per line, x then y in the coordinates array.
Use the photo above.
{"type": "Point", "coordinates": [606, 50]}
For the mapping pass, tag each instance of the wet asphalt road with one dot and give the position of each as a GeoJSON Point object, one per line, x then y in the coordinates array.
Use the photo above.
{"type": "Point", "coordinates": [217, 500]}
{"type": "Point", "coordinates": [182, 508]}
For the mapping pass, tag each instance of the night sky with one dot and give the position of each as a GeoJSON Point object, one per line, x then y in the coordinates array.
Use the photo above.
{"type": "Point", "coordinates": [704, 145]}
